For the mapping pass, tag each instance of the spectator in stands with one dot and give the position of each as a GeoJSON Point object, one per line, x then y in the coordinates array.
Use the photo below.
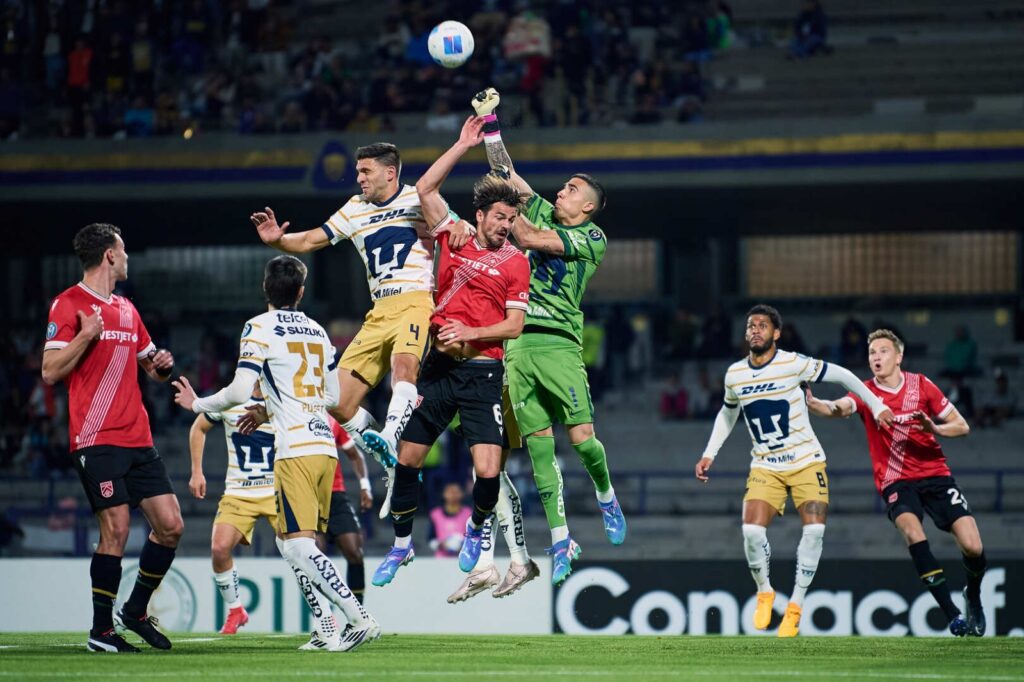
{"type": "Point", "coordinates": [293, 120]}
{"type": "Point", "coordinates": [1001, 405]}
{"type": "Point", "coordinates": [647, 111]}
{"type": "Point", "coordinates": [593, 355]}
{"type": "Point", "coordinates": [675, 400]}
{"type": "Point", "coordinates": [961, 355]}
{"type": "Point", "coordinates": [707, 399]}
{"type": "Point", "coordinates": [695, 45]}
{"type": "Point", "coordinates": [716, 335]}
{"type": "Point", "coordinates": [619, 338]}
{"type": "Point", "coordinates": [810, 32]}
{"type": "Point", "coordinates": [441, 118]}
{"type": "Point", "coordinates": [448, 522]}
{"type": "Point", "coordinates": [962, 396]}
{"type": "Point", "coordinates": [681, 335]}
{"type": "Point", "coordinates": [139, 118]}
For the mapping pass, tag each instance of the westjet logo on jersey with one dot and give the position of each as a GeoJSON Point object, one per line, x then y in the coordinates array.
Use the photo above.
{"type": "Point", "coordinates": [478, 266]}
{"type": "Point", "coordinates": [111, 335]}
{"type": "Point", "coordinates": [759, 388]}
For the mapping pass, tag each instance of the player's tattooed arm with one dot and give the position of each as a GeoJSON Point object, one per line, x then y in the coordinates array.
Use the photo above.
{"type": "Point", "coordinates": [529, 237]}
{"type": "Point", "coordinates": [843, 407]}
{"type": "Point", "coordinates": [501, 164]}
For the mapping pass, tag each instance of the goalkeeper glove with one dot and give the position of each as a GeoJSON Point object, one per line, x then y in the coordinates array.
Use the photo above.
{"type": "Point", "coordinates": [486, 101]}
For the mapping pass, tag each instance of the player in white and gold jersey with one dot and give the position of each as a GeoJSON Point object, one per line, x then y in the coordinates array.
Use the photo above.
{"type": "Point", "coordinates": [293, 359]}
{"type": "Point", "coordinates": [248, 495]}
{"type": "Point", "coordinates": [787, 458]}
{"type": "Point", "coordinates": [385, 223]}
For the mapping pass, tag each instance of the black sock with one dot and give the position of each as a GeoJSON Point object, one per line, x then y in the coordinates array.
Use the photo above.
{"type": "Point", "coordinates": [356, 580]}
{"type": "Point", "coordinates": [153, 564]}
{"type": "Point", "coordinates": [105, 572]}
{"type": "Point", "coordinates": [485, 496]}
{"type": "Point", "coordinates": [404, 499]}
{"type": "Point", "coordinates": [933, 578]}
{"type": "Point", "coordinates": [975, 567]}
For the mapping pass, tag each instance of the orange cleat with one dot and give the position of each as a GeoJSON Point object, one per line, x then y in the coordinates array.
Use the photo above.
{"type": "Point", "coordinates": [790, 625]}
{"type": "Point", "coordinates": [763, 613]}
{"type": "Point", "coordinates": [237, 617]}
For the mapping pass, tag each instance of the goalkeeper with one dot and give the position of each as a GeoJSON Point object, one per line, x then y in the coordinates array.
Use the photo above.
{"type": "Point", "coordinates": [544, 366]}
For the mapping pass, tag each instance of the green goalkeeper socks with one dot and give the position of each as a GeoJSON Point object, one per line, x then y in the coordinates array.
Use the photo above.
{"type": "Point", "coordinates": [592, 455]}
{"type": "Point", "coordinates": [548, 478]}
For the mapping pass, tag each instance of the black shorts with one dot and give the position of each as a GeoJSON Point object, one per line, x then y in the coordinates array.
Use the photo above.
{"type": "Point", "coordinates": [940, 496]}
{"type": "Point", "coordinates": [112, 476]}
{"type": "Point", "coordinates": [343, 517]}
{"type": "Point", "coordinates": [471, 388]}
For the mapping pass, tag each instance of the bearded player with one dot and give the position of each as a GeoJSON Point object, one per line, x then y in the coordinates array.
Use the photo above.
{"type": "Point", "coordinates": [911, 473]}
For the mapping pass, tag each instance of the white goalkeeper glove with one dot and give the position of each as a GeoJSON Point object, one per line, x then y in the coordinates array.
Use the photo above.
{"type": "Point", "coordinates": [485, 101]}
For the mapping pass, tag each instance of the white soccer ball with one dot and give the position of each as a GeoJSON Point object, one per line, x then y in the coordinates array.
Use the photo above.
{"type": "Point", "coordinates": [450, 44]}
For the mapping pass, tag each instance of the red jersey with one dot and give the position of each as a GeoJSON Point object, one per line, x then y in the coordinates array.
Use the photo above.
{"type": "Point", "coordinates": [104, 400]}
{"type": "Point", "coordinates": [476, 285]}
{"type": "Point", "coordinates": [905, 453]}
{"type": "Point", "coordinates": [344, 441]}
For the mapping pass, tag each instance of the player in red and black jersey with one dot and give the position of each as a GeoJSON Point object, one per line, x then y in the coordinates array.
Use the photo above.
{"type": "Point", "coordinates": [911, 473]}
{"type": "Point", "coordinates": [95, 339]}
{"type": "Point", "coordinates": [482, 296]}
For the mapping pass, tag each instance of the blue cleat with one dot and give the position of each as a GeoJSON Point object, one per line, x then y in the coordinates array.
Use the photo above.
{"type": "Point", "coordinates": [395, 559]}
{"type": "Point", "coordinates": [975, 616]}
{"type": "Point", "coordinates": [564, 553]}
{"type": "Point", "coordinates": [381, 448]}
{"type": "Point", "coordinates": [471, 546]}
{"type": "Point", "coordinates": [614, 521]}
{"type": "Point", "coordinates": [958, 627]}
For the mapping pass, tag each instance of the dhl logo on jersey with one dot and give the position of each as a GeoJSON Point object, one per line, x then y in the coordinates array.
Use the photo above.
{"type": "Point", "coordinates": [759, 388]}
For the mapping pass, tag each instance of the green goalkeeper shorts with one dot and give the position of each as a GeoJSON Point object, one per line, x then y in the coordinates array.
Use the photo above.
{"type": "Point", "coordinates": [547, 382]}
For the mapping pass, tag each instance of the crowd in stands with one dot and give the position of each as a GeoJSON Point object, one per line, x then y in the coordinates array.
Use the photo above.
{"type": "Point", "coordinates": [114, 68]}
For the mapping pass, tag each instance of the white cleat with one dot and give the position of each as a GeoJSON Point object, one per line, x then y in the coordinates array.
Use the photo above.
{"type": "Point", "coordinates": [475, 583]}
{"type": "Point", "coordinates": [318, 642]}
{"type": "Point", "coordinates": [517, 576]}
{"type": "Point", "coordinates": [389, 483]}
{"type": "Point", "coordinates": [355, 636]}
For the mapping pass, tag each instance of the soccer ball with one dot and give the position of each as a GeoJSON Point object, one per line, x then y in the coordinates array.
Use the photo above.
{"type": "Point", "coordinates": [450, 44]}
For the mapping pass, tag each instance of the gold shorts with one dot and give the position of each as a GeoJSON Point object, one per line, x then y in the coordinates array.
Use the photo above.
{"type": "Point", "coordinates": [302, 486]}
{"type": "Point", "coordinates": [396, 324]}
{"type": "Point", "coordinates": [242, 513]}
{"type": "Point", "coordinates": [809, 484]}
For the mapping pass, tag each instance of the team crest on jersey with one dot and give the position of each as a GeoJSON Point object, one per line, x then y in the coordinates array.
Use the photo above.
{"type": "Point", "coordinates": [51, 330]}
{"type": "Point", "coordinates": [107, 488]}
{"type": "Point", "coordinates": [893, 497]}
{"type": "Point", "coordinates": [247, 330]}
{"type": "Point", "coordinates": [596, 235]}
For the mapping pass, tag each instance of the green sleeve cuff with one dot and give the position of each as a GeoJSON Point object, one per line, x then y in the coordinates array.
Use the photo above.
{"type": "Point", "coordinates": [570, 250]}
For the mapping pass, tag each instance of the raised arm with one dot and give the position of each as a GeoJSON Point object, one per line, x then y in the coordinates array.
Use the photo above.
{"type": "Point", "coordinates": [196, 444]}
{"type": "Point", "coordinates": [435, 211]}
{"type": "Point", "coordinates": [232, 395]}
{"type": "Point", "coordinates": [274, 235]}
{"type": "Point", "coordinates": [484, 103]}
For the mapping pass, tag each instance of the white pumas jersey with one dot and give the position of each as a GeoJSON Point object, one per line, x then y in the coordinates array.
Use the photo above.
{"type": "Point", "coordinates": [775, 409]}
{"type": "Point", "coordinates": [250, 458]}
{"type": "Point", "coordinates": [293, 357]}
{"type": "Point", "coordinates": [393, 240]}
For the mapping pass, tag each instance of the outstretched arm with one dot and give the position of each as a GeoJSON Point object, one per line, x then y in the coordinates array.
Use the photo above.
{"type": "Point", "coordinates": [843, 407]}
{"type": "Point", "coordinates": [232, 395]}
{"type": "Point", "coordinates": [274, 235]}
{"type": "Point", "coordinates": [724, 423]}
{"type": "Point", "coordinates": [485, 102]}
{"type": "Point", "coordinates": [435, 212]}
{"type": "Point", "coordinates": [840, 375]}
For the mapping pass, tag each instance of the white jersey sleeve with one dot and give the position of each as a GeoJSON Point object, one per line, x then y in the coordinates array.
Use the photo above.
{"type": "Point", "coordinates": [250, 465]}
{"type": "Point", "coordinates": [297, 360]}
{"type": "Point", "coordinates": [393, 240]}
{"type": "Point", "coordinates": [775, 410]}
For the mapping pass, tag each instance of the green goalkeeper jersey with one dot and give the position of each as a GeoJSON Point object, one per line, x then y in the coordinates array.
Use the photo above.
{"type": "Point", "coordinates": [557, 283]}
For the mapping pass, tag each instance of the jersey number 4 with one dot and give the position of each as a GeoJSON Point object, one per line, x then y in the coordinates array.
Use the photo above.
{"type": "Point", "coordinates": [769, 422]}
{"type": "Point", "coordinates": [315, 350]}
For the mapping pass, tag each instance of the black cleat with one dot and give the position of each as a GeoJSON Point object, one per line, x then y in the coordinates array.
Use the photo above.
{"type": "Point", "coordinates": [109, 642]}
{"type": "Point", "coordinates": [958, 627]}
{"type": "Point", "coordinates": [145, 628]}
{"type": "Point", "coordinates": [975, 616]}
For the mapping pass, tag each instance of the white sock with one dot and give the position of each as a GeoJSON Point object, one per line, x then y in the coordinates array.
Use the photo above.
{"type": "Point", "coordinates": [606, 496]}
{"type": "Point", "coordinates": [509, 512]}
{"type": "Point", "coordinates": [403, 542]}
{"type": "Point", "coordinates": [318, 605]}
{"type": "Point", "coordinates": [227, 585]}
{"type": "Point", "coordinates": [486, 545]}
{"type": "Point", "coordinates": [359, 423]}
{"type": "Point", "coordinates": [759, 554]}
{"type": "Point", "coordinates": [808, 552]}
{"type": "Point", "coordinates": [323, 574]}
{"type": "Point", "coordinates": [403, 402]}
{"type": "Point", "coordinates": [558, 534]}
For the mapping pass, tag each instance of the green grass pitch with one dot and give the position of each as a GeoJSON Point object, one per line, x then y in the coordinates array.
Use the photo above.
{"type": "Point", "coordinates": [62, 656]}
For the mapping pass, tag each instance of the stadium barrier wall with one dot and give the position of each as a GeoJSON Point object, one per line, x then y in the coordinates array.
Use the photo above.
{"type": "Point", "coordinates": [859, 597]}
{"type": "Point", "coordinates": [187, 600]}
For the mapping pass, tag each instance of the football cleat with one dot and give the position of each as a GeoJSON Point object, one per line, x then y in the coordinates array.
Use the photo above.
{"type": "Point", "coordinates": [975, 616]}
{"type": "Point", "coordinates": [475, 583]}
{"type": "Point", "coordinates": [614, 521]}
{"type": "Point", "coordinates": [563, 554]}
{"type": "Point", "coordinates": [144, 627]}
{"type": "Point", "coordinates": [471, 546]}
{"type": "Point", "coordinates": [109, 642]}
{"type": "Point", "coordinates": [395, 559]}
{"type": "Point", "coordinates": [389, 487]}
{"type": "Point", "coordinates": [517, 576]}
{"type": "Point", "coordinates": [790, 625]}
{"type": "Point", "coordinates": [237, 617]}
{"type": "Point", "coordinates": [381, 448]}
{"type": "Point", "coordinates": [485, 101]}
{"type": "Point", "coordinates": [356, 635]}
{"type": "Point", "coordinates": [958, 627]}
{"type": "Point", "coordinates": [763, 612]}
